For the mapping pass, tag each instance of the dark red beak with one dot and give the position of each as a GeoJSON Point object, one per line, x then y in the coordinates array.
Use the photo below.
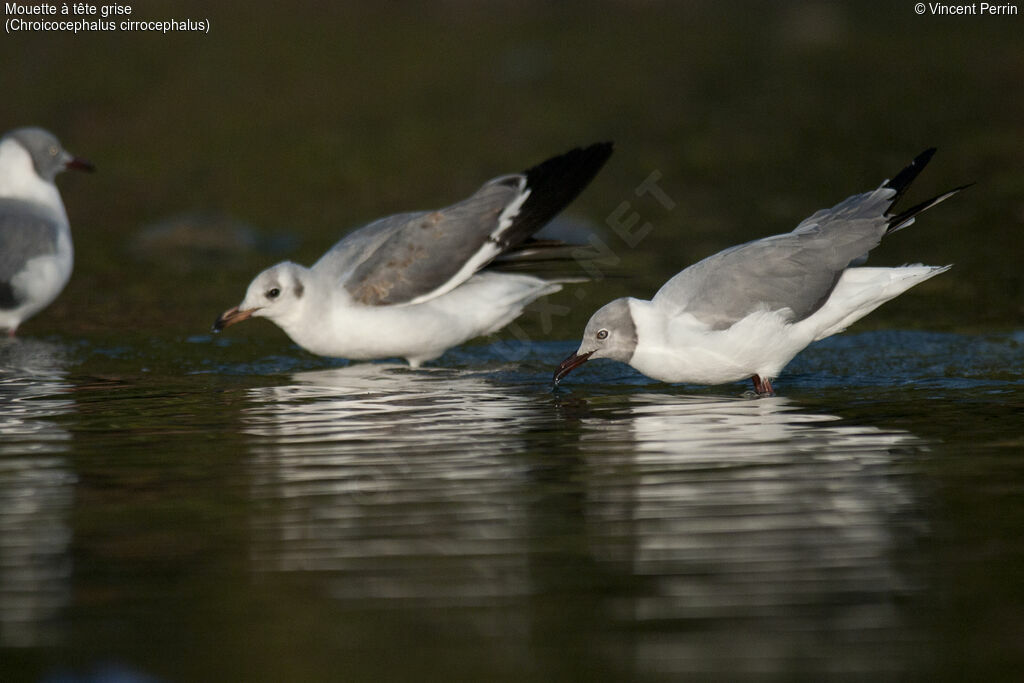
{"type": "Point", "coordinates": [569, 364]}
{"type": "Point", "coordinates": [79, 165]}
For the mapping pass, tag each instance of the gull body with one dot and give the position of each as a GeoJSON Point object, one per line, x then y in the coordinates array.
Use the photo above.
{"type": "Point", "coordinates": [414, 285]}
{"type": "Point", "coordinates": [36, 253]}
{"type": "Point", "coordinates": [745, 312]}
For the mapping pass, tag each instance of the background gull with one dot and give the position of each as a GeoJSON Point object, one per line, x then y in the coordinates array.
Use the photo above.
{"type": "Point", "coordinates": [36, 254]}
{"type": "Point", "coordinates": [748, 310]}
{"type": "Point", "coordinates": [413, 285]}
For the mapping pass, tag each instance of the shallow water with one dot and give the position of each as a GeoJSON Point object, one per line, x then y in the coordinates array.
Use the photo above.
{"type": "Point", "coordinates": [290, 516]}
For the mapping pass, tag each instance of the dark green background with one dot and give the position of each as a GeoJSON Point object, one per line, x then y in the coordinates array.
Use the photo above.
{"type": "Point", "coordinates": [307, 119]}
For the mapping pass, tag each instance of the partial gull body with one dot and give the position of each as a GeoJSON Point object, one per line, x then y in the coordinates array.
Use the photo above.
{"type": "Point", "coordinates": [36, 255]}
{"type": "Point", "coordinates": [745, 312]}
{"type": "Point", "coordinates": [414, 285]}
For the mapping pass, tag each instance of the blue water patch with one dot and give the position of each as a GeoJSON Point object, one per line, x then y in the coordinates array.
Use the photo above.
{"type": "Point", "coordinates": [886, 358]}
{"type": "Point", "coordinates": [895, 357]}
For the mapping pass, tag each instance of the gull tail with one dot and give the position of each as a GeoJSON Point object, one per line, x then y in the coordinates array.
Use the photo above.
{"type": "Point", "coordinates": [862, 290]}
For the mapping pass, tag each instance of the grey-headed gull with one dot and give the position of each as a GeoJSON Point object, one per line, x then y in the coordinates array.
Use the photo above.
{"type": "Point", "coordinates": [745, 312]}
{"type": "Point", "coordinates": [414, 285]}
{"type": "Point", "coordinates": [36, 255]}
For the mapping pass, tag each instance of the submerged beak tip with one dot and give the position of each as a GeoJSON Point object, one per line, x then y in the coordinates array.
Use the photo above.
{"type": "Point", "coordinates": [572, 361]}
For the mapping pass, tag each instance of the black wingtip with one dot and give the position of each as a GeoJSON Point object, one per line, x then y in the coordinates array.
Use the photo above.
{"type": "Point", "coordinates": [903, 218]}
{"type": "Point", "coordinates": [902, 180]}
{"type": "Point", "coordinates": [564, 176]}
{"type": "Point", "coordinates": [594, 155]}
{"type": "Point", "coordinates": [554, 184]}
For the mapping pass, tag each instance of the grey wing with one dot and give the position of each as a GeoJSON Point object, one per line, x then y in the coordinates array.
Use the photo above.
{"type": "Point", "coordinates": [361, 244]}
{"type": "Point", "coordinates": [412, 258]}
{"type": "Point", "coordinates": [25, 232]}
{"type": "Point", "coordinates": [795, 271]}
{"type": "Point", "coordinates": [416, 256]}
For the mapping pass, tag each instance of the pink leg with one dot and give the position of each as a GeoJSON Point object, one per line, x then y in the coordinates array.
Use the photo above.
{"type": "Point", "coordinates": [763, 387]}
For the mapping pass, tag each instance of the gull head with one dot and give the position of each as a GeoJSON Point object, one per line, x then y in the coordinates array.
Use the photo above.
{"type": "Point", "coordinates": [48, 156]}
{"type": "Point", "coordinates": [276, 294]}
{"type": "Point", "coordinates": [610, 333]}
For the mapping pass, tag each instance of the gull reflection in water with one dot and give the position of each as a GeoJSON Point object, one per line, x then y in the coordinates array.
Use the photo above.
{"type": "Point", "coordinates": [36, 492]}
{"type": "Point", "coordinates": [771, 531]}
{"type": "Point", "coordinates": [401, 484]}
{"type": "Point", "coordinates": [660, 534]}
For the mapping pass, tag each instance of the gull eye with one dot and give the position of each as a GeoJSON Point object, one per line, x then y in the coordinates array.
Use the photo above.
{"type": "Point", "coordinates": [273, 293]}
{"type": "Point", "coordinates": [602, 335]}
{"type": "Point", "coordinates": [54, 151]}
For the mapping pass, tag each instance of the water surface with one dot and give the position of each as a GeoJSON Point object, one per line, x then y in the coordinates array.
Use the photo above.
{"type": "Point", "coordinates": [309, 518]}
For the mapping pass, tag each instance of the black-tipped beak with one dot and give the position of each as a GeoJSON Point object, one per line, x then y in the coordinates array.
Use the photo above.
{"type": "Point", "coordinates": [79, 165]}
{"type": "Point", "coordinates": [569, 364]}
{"type": "Point", "coordinates": [230, 317]}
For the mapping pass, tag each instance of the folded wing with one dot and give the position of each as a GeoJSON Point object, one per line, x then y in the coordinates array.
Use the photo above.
{"type": "Point", "coordinates": [25, 233]}
{"type": "Point", "coordinates": [415, 257]}
{"type": "Point", "coordinates": [798, 270]}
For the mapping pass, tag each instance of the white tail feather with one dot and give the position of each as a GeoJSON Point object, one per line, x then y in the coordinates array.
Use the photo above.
{"type": "Point", "coordinates": [862, 290]}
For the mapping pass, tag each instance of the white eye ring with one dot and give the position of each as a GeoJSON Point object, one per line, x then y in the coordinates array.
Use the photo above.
{"type": "Point", "coordinates": [602, 334]}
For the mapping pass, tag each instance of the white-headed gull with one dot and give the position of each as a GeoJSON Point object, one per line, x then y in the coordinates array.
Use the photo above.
{"type": "Point", "coordinates": [36, 255]}
{"type": "Point", "coordinates": [413, 285]}
{"type": "Point", "coordinates": [748, 310]}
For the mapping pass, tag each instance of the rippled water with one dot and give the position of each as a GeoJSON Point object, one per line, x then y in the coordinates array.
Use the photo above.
{"type": "Point", "coordinates": [320, 521]}
{"type": "Point", "coordinates": [36, 495]}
